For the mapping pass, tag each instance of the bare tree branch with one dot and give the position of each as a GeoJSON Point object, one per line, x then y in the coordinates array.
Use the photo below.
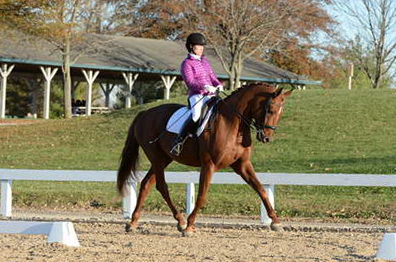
{"type": "Point", "coordinates": [376, 25]}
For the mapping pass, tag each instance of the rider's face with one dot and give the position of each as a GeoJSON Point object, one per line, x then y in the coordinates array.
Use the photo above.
{"type": "Point", "coordinates": [198, 49]}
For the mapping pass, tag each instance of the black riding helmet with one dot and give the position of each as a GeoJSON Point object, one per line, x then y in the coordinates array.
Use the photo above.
{"type": "Point", "coordinates": [195, 39]}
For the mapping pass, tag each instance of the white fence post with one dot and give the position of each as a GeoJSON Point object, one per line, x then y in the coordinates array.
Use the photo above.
{"type": "Point", "coordinates": [271, 196]}
{"type": "Point", "coordinates": [190, 198]}
{"type": "Point", "coordinates": [6, 198]}
{"type": "Point", "coordinates": [129, 202]}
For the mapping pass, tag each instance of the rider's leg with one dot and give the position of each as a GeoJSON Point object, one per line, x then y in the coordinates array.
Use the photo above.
{"type": "Point", "coordinates": [196, 103]}
{"type": "Point", "coordinates": [189, 127]}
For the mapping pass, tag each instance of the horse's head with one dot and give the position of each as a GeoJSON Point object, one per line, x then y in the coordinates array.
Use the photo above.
{"type": "Point", "coordinates": [266, 112]}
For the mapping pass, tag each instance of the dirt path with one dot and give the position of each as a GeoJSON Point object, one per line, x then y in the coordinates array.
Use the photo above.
{"type": "Point", "coordinates": [102, 238]}
{"type": "Point", "coordinates": [109, 242]}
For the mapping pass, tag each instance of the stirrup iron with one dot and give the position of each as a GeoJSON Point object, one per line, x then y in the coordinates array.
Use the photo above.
{"type": "Point", "coordinates": [178, 147]}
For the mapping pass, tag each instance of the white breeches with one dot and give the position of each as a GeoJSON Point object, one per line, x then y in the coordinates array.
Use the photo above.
{"type": "Point", "coordinates": [196, 103]}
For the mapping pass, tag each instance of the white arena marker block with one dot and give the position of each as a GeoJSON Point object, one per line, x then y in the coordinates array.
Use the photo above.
{"type": "Point", "coordinates": [387, 248]}
{"type": "Point", "coordinates": [62, 232]}
{"type": "Point", "coordinates": [129, 202]}
{"type": "Point", "coordinates": [264, 218]}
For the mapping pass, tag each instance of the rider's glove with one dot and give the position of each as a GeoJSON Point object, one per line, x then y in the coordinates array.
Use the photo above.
{"type": "Point", "coordinates": [210, 89]}
{"type": "Point", "coordinates": [220, 88]}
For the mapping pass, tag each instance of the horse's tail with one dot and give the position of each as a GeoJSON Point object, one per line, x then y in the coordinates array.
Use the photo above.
{"type": "Point", "coordinates": [129, 159]}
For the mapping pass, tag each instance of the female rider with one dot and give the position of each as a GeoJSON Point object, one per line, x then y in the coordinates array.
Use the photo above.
{"type": "Point", "coordinates": [201, 82]}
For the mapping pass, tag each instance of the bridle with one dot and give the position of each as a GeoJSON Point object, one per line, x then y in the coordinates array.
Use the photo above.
{"type": "Point", "coordinates": [260, 128]}
{"type": "Point", "coordinates": [257, 125]}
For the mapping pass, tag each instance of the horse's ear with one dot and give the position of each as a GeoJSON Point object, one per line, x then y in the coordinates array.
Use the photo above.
{"type": "Point", "coordinates": [278, 92]}
{"type": "Point", "coordinates": [288, 93]}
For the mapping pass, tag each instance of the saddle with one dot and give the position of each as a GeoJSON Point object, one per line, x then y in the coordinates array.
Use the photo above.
{"type": "Point", "coordinates": [178, 118]}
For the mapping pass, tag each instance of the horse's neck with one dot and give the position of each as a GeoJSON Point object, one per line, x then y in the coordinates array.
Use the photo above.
{"type": "Point", "coordinates": [230, 125]}
{"type": "Point", "coordinates": [232, 109]}
{"type": "Point", "coordinates": [240, 101]}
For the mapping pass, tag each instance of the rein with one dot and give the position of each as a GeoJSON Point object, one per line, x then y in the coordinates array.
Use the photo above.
{"type": "Point", "coordinates": [252, 124]}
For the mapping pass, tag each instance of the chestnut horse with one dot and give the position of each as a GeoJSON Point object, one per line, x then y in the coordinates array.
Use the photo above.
{"type": "Point", "coordinates": [227, 143]}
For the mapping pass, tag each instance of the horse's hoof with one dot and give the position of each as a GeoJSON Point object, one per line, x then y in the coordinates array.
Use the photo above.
{"type": "Point", "coordinates": [276, 227]}
{"type": "Point", "coordinates": [186, 233]}
{"type": "Point", "coordinates": [129, 228]}
{"type": "Point", "coordinates": [189, 231]}
{"type": "Point", "coordinates": [181, 228]}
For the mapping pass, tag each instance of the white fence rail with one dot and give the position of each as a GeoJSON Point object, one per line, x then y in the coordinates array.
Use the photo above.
{"type": "Point", "coordinates": [269, 180]}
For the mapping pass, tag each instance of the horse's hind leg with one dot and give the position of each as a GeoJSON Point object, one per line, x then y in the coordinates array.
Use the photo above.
{"type": "Point", "coordinates": [204, 183]}
{"type": "Point", "coordinates": [145, 188]}
{"type": "Point", "coordinates": [246, 171]}
{"type": "Point", "coordinates": [162, 187]}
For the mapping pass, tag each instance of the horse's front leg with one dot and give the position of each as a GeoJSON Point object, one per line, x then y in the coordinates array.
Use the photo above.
{"type": "Point", "coordinates": [246, 171]}
{"type": "Point", "coordinates": [204, 183]}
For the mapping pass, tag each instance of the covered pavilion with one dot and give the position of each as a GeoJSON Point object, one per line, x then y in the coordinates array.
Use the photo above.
{"type": "Point", "coordinates": [116, 59]}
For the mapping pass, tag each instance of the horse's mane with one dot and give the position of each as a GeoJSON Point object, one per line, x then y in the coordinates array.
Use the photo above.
{"type": "Point", "coordinates": [264, 87]}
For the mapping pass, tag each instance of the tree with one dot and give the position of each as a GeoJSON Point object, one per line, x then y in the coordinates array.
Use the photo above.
{"type": "Point", "coordinates": [64, 24]}
{"type": "Point", "coordinates": [236, 29]}
{"type": "Point", "coordinates": [55, 21]}
{"type": "Point", "coordinates": [253, 27]}
{"type": "Point", "coordinates": [375, 22]}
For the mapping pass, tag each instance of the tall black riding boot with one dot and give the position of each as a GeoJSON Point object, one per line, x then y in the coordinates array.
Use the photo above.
{"type": "Point", "coordinates": [188, 128]}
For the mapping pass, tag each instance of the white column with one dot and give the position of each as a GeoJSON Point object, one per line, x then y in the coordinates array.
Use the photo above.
{"type": "Point", "coordinates": [90, 76]}
{"type": "Point", "coordinates": [130, 79]}
{"type": "Point", "coordinates": [48, 73]}
{"type": "Point", "coordinates": [4, 72]}
{"type": "Point", "coordinates": [6, 198]}
{"type": "Point", "coordinates": [129, 202]}
{"type": "Point", "coordinates": [168, 82]}
{"type": "Point", "coordinates": [271, 195]}
{"type": "Point", "coordinates": [190, 198]}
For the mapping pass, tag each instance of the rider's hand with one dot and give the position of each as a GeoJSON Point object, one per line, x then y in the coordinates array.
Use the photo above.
{"type": "Point", "coordinates": [220, 88]}
{"type": "Point", "coordinates": [210, 89]}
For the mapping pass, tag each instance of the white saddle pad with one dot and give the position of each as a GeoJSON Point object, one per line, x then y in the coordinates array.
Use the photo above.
{"type": "Point", "coordinates": [176, 121]}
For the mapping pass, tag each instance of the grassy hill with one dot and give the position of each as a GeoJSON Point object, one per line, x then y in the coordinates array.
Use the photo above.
{"type": "Point", "coordinates": [322, 131]}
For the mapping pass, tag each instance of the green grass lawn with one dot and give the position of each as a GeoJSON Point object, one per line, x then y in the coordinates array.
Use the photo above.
{"type": "Point", "coordinates": [322, 131]}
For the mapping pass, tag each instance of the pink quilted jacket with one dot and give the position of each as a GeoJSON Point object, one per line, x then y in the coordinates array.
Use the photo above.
{"type": "Point", "coordinates": [198, 73]}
